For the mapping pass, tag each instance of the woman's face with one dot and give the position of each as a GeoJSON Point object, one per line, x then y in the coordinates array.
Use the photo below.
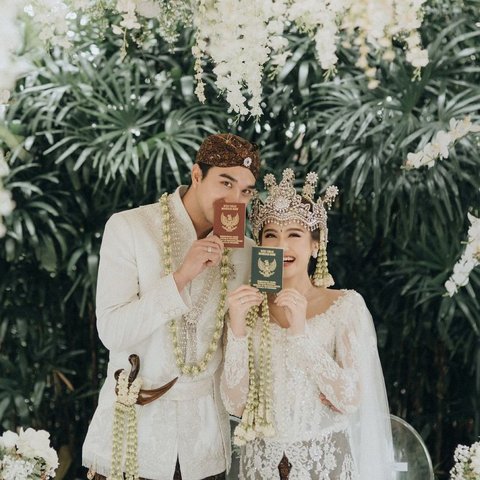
{"type": "Point", "coordinates": [297, 244]}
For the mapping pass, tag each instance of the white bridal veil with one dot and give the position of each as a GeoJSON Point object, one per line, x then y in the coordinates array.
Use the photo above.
{"type": "Point", "coordinates": [370, 425]}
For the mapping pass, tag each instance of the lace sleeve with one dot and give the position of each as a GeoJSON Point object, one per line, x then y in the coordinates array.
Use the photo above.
{"type": "Point", "coordinates": [234, 380]}
{"type": "Point", "coordinates": [337, 378]}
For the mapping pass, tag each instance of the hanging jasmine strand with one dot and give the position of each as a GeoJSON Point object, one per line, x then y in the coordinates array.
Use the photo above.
{"type": "Point", "coordinates": [257, 417]}
{"type": "Point", "coordinates": [193, 368]}
{"type": "Point", "coordinates": [125, 422]}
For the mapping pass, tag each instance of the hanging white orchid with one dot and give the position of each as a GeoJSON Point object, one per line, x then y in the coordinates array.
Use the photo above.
{"type": "Point", "coordinates": [238, 36]}
{"type": "Point", "coordinates": [469, 259]}
{"type": "Point", "coordinates": [6, 203]}
{"type": "Point", "coordinates": [441, 143]}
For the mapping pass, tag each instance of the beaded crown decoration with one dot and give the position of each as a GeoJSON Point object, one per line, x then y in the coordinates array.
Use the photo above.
{"type": "Point", "coordinates": [284, 205]}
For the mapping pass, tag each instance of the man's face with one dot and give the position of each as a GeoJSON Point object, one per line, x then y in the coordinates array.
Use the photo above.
{"type": "Point", "coordinates": [231, 184]}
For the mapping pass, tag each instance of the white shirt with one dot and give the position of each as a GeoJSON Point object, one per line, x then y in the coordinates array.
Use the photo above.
{"type": "Point", "coordinates": [135, 303]}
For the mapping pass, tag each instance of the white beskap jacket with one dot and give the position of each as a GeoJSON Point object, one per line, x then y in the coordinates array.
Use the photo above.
{"type": "Point", "coordinates": [135, 303]}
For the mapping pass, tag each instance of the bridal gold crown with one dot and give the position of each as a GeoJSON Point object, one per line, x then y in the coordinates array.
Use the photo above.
{"type": "Point", "coordinates": [284, 205]}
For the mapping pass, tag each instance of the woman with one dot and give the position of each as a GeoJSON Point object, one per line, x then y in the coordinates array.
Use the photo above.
{"type": "Point", "coordinates": [305, 377]}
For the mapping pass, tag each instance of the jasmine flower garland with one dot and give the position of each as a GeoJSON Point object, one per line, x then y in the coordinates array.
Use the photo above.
{"type": "Point", "coordinates": [257, 418]}
{"type": "Point", "coordinates": [195, 368]}
{"type": "Point", "coordinates": [125, 420]}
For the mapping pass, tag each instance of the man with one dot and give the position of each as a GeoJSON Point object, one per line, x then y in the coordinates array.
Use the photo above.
{"type": "Point", "coordinates": [170, 319]}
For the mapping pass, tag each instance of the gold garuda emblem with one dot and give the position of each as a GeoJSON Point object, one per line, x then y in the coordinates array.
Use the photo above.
{"type": "Point", "coordinates": [267, 267]}
{"type": "Point", "coordinates": [229, 223]}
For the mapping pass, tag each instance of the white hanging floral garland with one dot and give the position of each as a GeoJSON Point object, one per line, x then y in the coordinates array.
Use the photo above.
{"type": "Point", "coordinates": [469, 259]}
{"type": "Point", "coordinates": [427, 156]}
{"type": "Point", "coordinates": [238, 36]}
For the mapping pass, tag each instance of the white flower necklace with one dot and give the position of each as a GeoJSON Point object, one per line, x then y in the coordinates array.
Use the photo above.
{"type": "Point", "coordinates": [257, 416]}
{"type": "Point", "coordinates": [193, 368]}
{"type": "Point", "coordinates": [125, 413]}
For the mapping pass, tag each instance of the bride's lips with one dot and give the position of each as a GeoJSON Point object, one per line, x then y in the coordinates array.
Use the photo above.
{"type": "Point", "coordinates": [288, 260]}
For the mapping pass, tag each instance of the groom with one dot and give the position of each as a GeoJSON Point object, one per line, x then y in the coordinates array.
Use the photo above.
{"type": "Point", "coordinates": [159, 288]}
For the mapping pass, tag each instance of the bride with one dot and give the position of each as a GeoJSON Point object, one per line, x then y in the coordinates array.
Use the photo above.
{"type": "Point", "coordinates": [301, 367]}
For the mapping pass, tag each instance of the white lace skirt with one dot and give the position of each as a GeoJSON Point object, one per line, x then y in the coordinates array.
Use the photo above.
{"type": "Point", "coordinates": [327, 457]}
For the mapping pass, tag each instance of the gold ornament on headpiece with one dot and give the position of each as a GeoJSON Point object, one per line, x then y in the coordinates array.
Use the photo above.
{"type": "Point", "coordinates": [284, 205]}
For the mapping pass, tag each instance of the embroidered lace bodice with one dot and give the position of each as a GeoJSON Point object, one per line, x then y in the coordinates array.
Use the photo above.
{"type": "Point", "coordinates": [314, 437]}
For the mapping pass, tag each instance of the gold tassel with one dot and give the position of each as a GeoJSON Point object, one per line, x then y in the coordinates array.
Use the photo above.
{"type": "Point", "coordinates": [322, 277]}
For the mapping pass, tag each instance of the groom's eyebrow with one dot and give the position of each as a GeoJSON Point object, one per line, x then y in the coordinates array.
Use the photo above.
{"type": "Point", "coordinates": [233, 179]}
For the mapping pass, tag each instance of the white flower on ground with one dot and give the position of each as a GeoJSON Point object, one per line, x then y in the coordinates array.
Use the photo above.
{"type": "Point", "coordinates": [8, 440]}
{"type": "Point", "coordinates": [27, 452]}
{"type": "Point", "coordinates": [467, 463]}
{"type": "Point", "coordinates": [36, 443]}
{"type": "Point", "coordinates": [16, 469]}
{"type": "Point", "coordinates": [476, 458]}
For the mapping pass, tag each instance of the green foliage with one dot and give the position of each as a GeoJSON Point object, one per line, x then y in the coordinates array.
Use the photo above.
{"type": "Point", "coordinates": [93, 135]}
{"type": "Point", "coordinates": [395, 234]}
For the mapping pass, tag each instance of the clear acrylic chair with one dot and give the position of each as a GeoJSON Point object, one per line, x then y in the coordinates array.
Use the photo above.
{"type": "Point", "coordinates": [412, 460]}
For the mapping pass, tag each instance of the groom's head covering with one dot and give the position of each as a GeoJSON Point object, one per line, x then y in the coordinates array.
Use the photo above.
{"type": "Point", "coordinates": [228, 150]}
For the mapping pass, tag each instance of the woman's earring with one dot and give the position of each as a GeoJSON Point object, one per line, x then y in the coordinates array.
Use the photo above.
{"type": "Point", "coordinates": [322, 277]}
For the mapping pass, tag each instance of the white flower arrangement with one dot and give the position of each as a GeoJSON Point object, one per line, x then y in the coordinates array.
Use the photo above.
{"type": "Point", "coordinates": [6, 203]}
{"type": "Point", "coordinates": [10, 40]}
{"type": "Point", "coordinates": [239, 36]}
{"type": "Point", "coordinates": [468, 261]}
{"type": "Point", "coordinates": [52, 20]}
{"type": "Point", "coordinates": [467, 463]}
{"type": "Point", "coordinates": [441, 144]}
{"type": "Point", "coordinates": [439, 147]}
{"type": "Point", "coordinates": [27, 455]}
{"type": "Point", "coordinates": [370, 26]}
